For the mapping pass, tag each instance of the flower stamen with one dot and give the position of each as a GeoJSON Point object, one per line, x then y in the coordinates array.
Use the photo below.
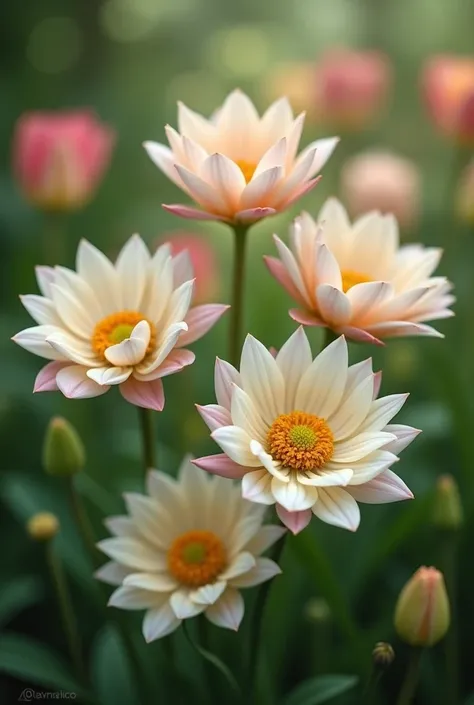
{"type": "Point", "coordinates": [300, 441]}
{"type": "Point", "coordinates": [197, 558]}
{"type": "Point", "coordinates": [116, 328]}
{"type": "Point", "coordinates": [247, 168]}
{"type": "Point", "coordinates": [350, 278]}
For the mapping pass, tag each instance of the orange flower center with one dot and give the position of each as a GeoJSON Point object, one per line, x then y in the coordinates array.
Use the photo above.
{"type": "Point", "coordinates": [247, 168]}
{"type": "Point", "coordinates": [300, 441]}
{"type": "Point", "coordinates": [116, 328]}
{"type": "Point", "coordinates": [350, 278]}
{"type": "Point", "coordinates": [197, 558]}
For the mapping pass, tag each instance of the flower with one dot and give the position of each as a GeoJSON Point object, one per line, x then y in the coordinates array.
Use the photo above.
{"type": "Point", "coordinates": [351, 87]}
{"type": "Point", "coordinates": [356, 279]}
{"type": "Point", "coordinates": [185, 549]}
{"type": "Point", "coordinates": [382, 181]}
{"type": "Point", "coordinates": [237, 166]}
{"type": "Point", "coordinates": [124, 324]}
{"type": "Point", "coordinates": [307, 435]}
{"type": "Point", "coordinates": [60, 158]}
{"type": "Point", "coordinates": [448, 87]}
{"type": "Point", "coordinates": [297, 81]}
{"type": "Point", "coordinates": [422, 614]}
{"type": "Point", "coordinates": [202, 258]}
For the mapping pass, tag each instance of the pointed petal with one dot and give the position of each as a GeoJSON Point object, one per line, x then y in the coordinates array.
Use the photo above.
{"type": "Point", "coordinates": [46, 378]}
{"type": "Point", "coordinates": [336, 506]}
{"type": "Point", "coordinates": [228, 611]}
{"type": "Point", "coordinates": [74, 383]}
{"type": "Point", "coordinates": [200, 320]}
{"type": "Point", "coordinates": [221, 465]}
{"type": "Point", "coordinates": [295, 521]}
{"type": "Point", "coordinates": [147, 395]}
{"type": "Point", "coordinates": [386, 487]}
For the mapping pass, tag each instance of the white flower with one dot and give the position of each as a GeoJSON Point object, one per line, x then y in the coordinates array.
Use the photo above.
{"type": "Point", "coordinates": [238, 166]}
{"type": "Point", "coordinates": [357, 280]}
{"type": "Point", "coordinates": [124, 324]}
{"type": "Point", "coordinates": [185, 549]}
{"type": "Point", "coordinates": [308, 435]}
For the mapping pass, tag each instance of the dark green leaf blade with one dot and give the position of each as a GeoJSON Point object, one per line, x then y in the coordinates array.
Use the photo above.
{"type": "Point", "coordinates": [320, 689]}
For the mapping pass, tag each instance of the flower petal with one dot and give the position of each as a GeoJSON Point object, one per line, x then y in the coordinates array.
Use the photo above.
{"type": "Point", "coordinates": [264, 569]}
{"type": "Point", "coordinates": [262, 379]}
{"type": "Point", "coordinates": [228, 611]}
{"type": "Point", "coordinates": [183, 606]}
{"type": "Point", "coordinates": [46, 378]}
{"type": "Point", "coordinates": [295, 521]}
{"type": "Point", "coordinates": [191, 213]}
{"type": "Point", "coordinates": [200, 320]}
{"type": "Point", "coordinates": [225, 376]}
{"type": "Point", "coordinates": [256, 487]}
{"type": "Point", "coordinates": [74, 383]}
{"type": "Point", "coordinates": [208, 594]}
{"type": "Point", "coordinates": [386, 487]}
{"type": "Point", "coordinates": [159, 622]}
{"type": "Point", "coordinates": [321, 387]}
{"type": "Point", "coordinates": [336, 506]}
{"type": "Point", "coordinates": [240, 565]}
{"type": "Point", "coordinates": [220, 465]}
{"type": "Point", "coordinates": [235, 442]}
{"type": "Point", "coordinates": [292, 495]}
{"type": "Point", "coordinates": [294, 359]}
{"type": "Point", "coordinates": [333, 305]}
{"type": "Point", "coordinates": [147, 395]}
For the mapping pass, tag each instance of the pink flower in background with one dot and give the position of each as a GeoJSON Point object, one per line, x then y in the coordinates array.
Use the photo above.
{"type": "Point", "coordinates": [124, 324]}
{"type": "Point", "coordinates": [355, 278]}
{"type": "Point", "coordinates": [201, 261]}
{"type": "Point", "coordinates": [239, 167]}
{"type": "Point", "coordinates": [382, 181]}
{"type": "Point", "coordinates": [59, 158]}
{"type": "Point", "coordinates": [351, 87]}
{"type": "Point", "coordinates": [448, 87]}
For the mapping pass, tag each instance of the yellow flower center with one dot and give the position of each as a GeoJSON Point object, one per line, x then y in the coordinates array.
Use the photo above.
{"type": "Point", "coordinates": [197, 558]}
{"type": "Point", "coordinates": [116, 328]}
{"type": "Point", "coordinates": [247, 168]}
{"type": "Point", "coordinates": [350, 278]}
{"type": "Point", "coordinates": [300, 441]}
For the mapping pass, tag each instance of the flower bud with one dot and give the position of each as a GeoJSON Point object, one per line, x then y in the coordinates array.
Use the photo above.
{"type": "Point", "coordinates": [383, 655]}
{"type": "Point", "coordinates": [42, 526]}
{"type": "Point", "coordinates": [317, 610]}
{"type": "Point", "coordinates": [63, 450]}
{"type": "Point", "coordinates": [382, 181]}
{"type": "Point", "coordinates": [60, 158]}
{"type": "Point", "coordinates": [422, 614]}
{"type": "Point", "coordinates": [447, 511]}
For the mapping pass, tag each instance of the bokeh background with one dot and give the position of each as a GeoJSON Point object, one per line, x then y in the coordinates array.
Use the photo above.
{"type": "Point", "coordinates": [131, 60]}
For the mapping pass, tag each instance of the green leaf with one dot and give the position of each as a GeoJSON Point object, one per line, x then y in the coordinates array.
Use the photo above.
{"type": "Point", "coordinates": [35, 663]}
{"type": "Point", "coordinates": [18, 594]}
{"type": "Point", "coordinates": [215, 661]}
{"type": "Point", "coordinates": [320, 689]}
{"type": "Point", "coordinates": [112, 674]}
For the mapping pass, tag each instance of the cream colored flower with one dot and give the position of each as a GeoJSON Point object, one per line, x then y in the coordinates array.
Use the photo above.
{"type": "Point", "coordinates": [356, 279]}
{"type": "Point", "coordinates": [308, 435]}
{"type": "Point", "coordinates": [185, 549]}
{"type": "Point", "coordinates": [124, 324]}
{"type": "Point", "coordinates": [238, 166]}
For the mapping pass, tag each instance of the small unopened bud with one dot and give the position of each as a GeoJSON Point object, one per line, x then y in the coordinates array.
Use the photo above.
{"type": "Point", "coordinates": [422, 614]}
{"type": "Point", "coordinates": [383, 655]}
{"type": "Point", "coordinates": [43, 526]}
{"type": "Point", "coordinates": [317, 610]}
{"type": "Point", "coordinates": [447, 511]}
{"type": "Point", "coordinates": [63, 450]}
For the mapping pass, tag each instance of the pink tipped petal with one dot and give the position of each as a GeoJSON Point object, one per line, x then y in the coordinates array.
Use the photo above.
{"type": "Point", "coordinates": [261, 188]}
{"type": "Point", "coordinates": [401, 328]}
{"type": "Point", "coordinates": [324, 148]}
{"type": "Point", "coordinates": [191, 213]}
{"type": "Point", "coordinates": [377, 383]}
{"type": "Point", "coordinates": [294, 521]}
{"type": "Point", "coordinates": [360, 336]}
{"type": "Point", "coordinates": [337, 507]}
{"type": "Point", "coordinates": [251, 215]}
{"type": "Point", "coordinates": [202, 192]}
{"type": "Point", "coordinates": [200, 320]}
{"type": "Point", "coordinates": [147, 395]}
{"type": "Point", "coordinates": [333, 305]}
{"type": "Point", "coordinates": [386, 487]}
{"type": "Point", "coordinates": [277, 269]}
{"type": "Point", "coordinates": [74, 383]}
{"type": "Point", "coordinates": [46, 378]}
{"type": "Point", "coordinates": [299, 193]}
{"type": "Point", "coordinates": [305, 318]}
{"type": "Point", "coordinates": [221, 465]}
{"type": "Point", "coordinates": [215, 416]}
{"type": "Point", "coordinates": [176, 361]}
{"type": "Point", "coordinates": [404, 436]}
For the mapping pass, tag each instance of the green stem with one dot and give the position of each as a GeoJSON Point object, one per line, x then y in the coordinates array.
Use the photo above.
{"type": "Point", "coordinates": [448, 566]}
{"type": "Point", "coordinates": [256, 627]}
{"type": "Point", "coordinates": [238, 286]}
{"type": "Point", "coordinates": [370, 690]}
{"type": "Point", "coordinates": [148, 439]}
{"type": "Point", "coordinates": [67, 610]}
{"type": "Point", "coordinates": [412, 676]}
{"type": "Point", "coordinates": [54, 238]}
{"type": "Point", "coordinates": [83, 523]}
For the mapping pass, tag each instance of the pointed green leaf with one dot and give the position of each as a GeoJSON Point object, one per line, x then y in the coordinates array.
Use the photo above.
{"type": "Point", "coordinates": [320, 690]}
{"type": "Point", "coordinates": [18, 594]}
{"type": "Point", "coordinates": [112, 673]}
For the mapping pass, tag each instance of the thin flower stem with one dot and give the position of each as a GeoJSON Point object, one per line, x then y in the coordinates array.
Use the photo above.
{"type": "Point", "coordinates": [67, 610]}
{"type": "Point", "coordinates": [448, 549]}
{"type": "Point", "coordinates": [54, 238]}
{"type": "Point", "coordinates": [148, 439]}
{"type": "Point", "coordinates": [256, 627]}
{"type": "Point", "coordinates": [370, 690]}
{"type": "Point", "coordinates": [238, 288]}
{"type": "Point", "coordinates": [82, 522]}
{"type": "Point", "coordinates": [412, 675]}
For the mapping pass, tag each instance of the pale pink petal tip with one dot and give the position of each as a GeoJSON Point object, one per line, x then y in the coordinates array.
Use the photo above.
{"type": "Point", "coordinates": [305, 318]}
{"type": "Point", "coordinates": [190, 213]}
{"type": "Point", "coordinates": [220, 465]}
{"type": "Point", "coordinates": [361, 336]}
{"type": "Point", "coordinates": [46, 378]}
{"type": "Point", "coordinates": [73, 382]}
{"type": "Point", "coordinates": [294, 521]}
{"type": "Point", "coordinates": [253, 214]}
{"type": "Point", "coordinates": [147, 395]}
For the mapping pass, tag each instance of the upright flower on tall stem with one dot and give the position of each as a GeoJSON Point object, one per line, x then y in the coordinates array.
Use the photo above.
{"type": "Point", "coordinates": [124, 324]}
{"type": "Point", "coordinates": [307, 435]}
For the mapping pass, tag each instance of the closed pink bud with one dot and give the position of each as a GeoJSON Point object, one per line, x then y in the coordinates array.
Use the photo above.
{"type": "Point", "coordinates": [448, 87]}
{"type": "Point", "coordinates": [60, 158]}
{"type": "Point", "coordinates": [203, 261]}
{"type": "Point", "coordinates": [422, 614]}
{"type": "Point", "coordinates": [352, 87]}
{"type": "Point", "coordinates": [382, 181]}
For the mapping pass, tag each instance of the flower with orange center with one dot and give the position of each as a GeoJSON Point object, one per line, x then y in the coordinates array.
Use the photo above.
{"type": "Point", "coordinates": [357, 280]}
{"type": "Point", "coordinates": [120, 324]}
{"type": "Point", "coordinates": [237, 166]}
{"type": "Point", "coordinates": [187, 548]}
{"type": "Point", "coordinates": [307, 435]}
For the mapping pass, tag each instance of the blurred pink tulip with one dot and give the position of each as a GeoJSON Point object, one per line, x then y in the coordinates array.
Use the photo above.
{"type": "Point", "coordinates": [448, 87]}
{"type": "Point", "coordinates": [59, 158]}
{"type": "Point", "coordinates": [200, 261]}
{"type": "Point", "coordinates": [352, 87]}
{"type": "Point", "coordinates": [382, 181]}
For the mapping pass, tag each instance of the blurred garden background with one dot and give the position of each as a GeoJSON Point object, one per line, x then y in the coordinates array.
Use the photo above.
{"type": "Point", "coordinates": [130, 61]}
